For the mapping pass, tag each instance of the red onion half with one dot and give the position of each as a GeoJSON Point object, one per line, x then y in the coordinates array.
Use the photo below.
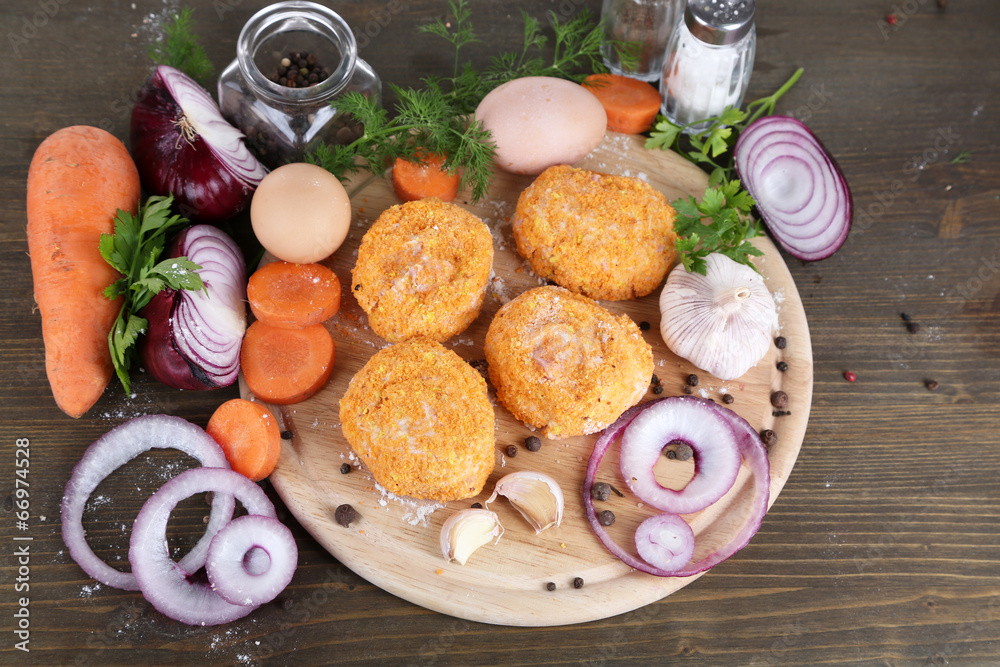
{"type": "Point", "coordinates": [182, 145]}
{"type": "Point", "coordinates": [112, 450]}
{"type": "Point", "coordinates": [193, 338]}
{"type": "Point", "coordinates": [165, 584]}
{"type": "Point", "coordinates": [800, 191]}
{"type": "Point", "coordinates": [661, 543]}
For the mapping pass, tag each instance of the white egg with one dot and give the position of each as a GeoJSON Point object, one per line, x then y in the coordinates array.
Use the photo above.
{"type": "Point", "coordinates": [300, 213]}
{"type": "Point", "coordinates": [540, 121]}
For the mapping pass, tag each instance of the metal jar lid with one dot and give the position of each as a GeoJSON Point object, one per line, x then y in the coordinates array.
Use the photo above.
{"type": "Point", "coordinates": [719, 22]}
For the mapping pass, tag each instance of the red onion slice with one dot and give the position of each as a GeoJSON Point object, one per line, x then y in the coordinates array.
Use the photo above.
{"type": "Point", "coordinates": [194, 337]}
{"type": "Point", "coordinates": [716, 454]}
{"type": "Point", "coordinates": [665, 541]}
{"type": "Point", "coordinates": [251, 560]}
{"type": "Point", "coordinates": [755, 457]}
{"type": "Point", "coordinates": [162, 582]}
{"type": "Point", "coordinates": [800, 191]}
{"type": "Point", "coordinates": [112, 450]}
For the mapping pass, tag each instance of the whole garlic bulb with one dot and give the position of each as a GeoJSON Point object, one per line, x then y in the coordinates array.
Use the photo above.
{"type": "Point", "coordinates": [721, 322]}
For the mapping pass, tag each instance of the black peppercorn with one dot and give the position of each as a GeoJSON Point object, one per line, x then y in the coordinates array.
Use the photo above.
{"type": "Point", "coordinates": [357, 287]}
{"type": "Point", "coordinates": [684, 452]}
{"type": "Point", "coordinates": [551, 586]}
{"type": "Point", "coordinates": [600, 491]}
{"type": "Point", "coordinates": [687, 389]}
{"type": "Point", "coordinates": [728, 399]}
{"type": "Point", "coordinates": [782, 366]}
{"type": "Point", "coordinates": [769, 437]}
{"type": "Point", "coordinates": [345, 468]}
{"type": "Point", "coordinates": [644, 325]}
{"type": "Point", "coordinates": [912, 327]}
{"type": "Point", "coordinates": [287, 435]}
{"type": "Point", "coordinates": [670, 454]}
{"type": "Point", "coordinates": [477, 506]}
{"type": "Point", "coordinates": [780, 342]}
{"type": "Point", "coordinates": [658, 389]}
{"type": "Point", "coordinates": [532, 443]}
{"type": "Point", "coordinates": [655, 379]}
{"type": "Point", "coordinates": [931, 384]}
{"type": "Point", "coordinates": [692, 380]}
{"type": "Point", "coordinates": [578, 582]}
{"type": "Point", "coordinates": [606, 517]}
{"type": "Point", "coordinates": [779, 399]}
{"type": "Point", "coordinates": [511, 450]}
{"type": "Point", "coordinates": [906, 318]}
{"type": "Point", "coordinates": [345, 515]}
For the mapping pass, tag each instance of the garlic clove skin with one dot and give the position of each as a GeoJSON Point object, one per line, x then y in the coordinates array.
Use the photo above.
{"type": "Point", "coordinates": [467, 530]}
{"type": "Point", "coordinates": [537, 496]}
{"type": "Point", "coordinates": [721, 322]}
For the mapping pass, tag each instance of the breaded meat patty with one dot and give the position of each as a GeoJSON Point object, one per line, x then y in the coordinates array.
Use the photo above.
{"type": "Point", "coordinates": [561, 362]}
{"type": "Point", "coordinates": [422, 270]}
{"type": "Point", "coordinates": [419, 417]}
{"type": "Point", "coordinates": [608, 237]}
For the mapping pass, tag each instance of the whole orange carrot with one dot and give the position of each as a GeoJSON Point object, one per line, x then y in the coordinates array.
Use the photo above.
{"type": "Point", "coordinates": [78, 179]}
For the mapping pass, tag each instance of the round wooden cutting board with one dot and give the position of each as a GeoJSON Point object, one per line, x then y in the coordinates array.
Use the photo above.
{"type": "Point", "coordinates": [395, 544]}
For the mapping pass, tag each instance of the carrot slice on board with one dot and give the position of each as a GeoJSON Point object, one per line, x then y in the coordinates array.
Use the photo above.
{"type": "Point", "coordinates": [249, 436]}
{"type": "Point", "coordinates": [413, 181]}
{"type": "Point", "coordinates": [286, 365]}
{"type": "Point", "coordinates": [631, 104]}
{"type": "Point", "coordinates": [293, 296]}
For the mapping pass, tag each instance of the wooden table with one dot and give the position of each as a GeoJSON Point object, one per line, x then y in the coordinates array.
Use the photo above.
{"type": "Point", "coordinates": [884, 547]}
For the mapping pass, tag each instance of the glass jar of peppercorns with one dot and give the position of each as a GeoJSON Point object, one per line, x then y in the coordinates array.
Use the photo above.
{"type": "Point", "coordinates": [293, 60]}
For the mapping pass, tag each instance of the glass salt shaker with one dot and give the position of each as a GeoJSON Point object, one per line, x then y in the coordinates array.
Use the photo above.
{"type": "Point", "coordinates": [649, 23]}
{"type": "Point", "coordinates": [284, 118]}
{"type": "Point", "coordinates": [709, 61]}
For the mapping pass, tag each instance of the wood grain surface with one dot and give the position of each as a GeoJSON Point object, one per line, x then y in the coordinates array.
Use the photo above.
{"type": "Point", "coordinates": [883, 547]}
{"type": "Point", "coordinates": [396, 544]}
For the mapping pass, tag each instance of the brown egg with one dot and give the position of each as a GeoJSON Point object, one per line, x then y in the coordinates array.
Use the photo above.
{"type": "Point", "coordinates": [540, 121]}
{"type": "Point", "coordinates": [300, 213]}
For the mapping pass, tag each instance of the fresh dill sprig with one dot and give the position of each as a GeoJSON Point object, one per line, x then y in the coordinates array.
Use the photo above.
{"type": "Point", "coordinates": [425, 123]}
{"type": "Point", "coordinates": [179, 48]}
{"type": "Point", "coordinates": [435, 118]}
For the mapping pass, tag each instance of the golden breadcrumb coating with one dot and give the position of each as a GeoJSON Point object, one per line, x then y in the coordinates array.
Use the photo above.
{"type": "Point", "coordinates": [422, 270]}
{"type": "Point", "coordinates": [420, 419]}
{"type": "Point", "coordinates": [560, 362]}
{"type": "Point", "coordinates": [608, 237]}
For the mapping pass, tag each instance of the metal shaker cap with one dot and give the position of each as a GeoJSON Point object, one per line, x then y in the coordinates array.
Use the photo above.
{"type": "Point", "coordinates": [719, 22]}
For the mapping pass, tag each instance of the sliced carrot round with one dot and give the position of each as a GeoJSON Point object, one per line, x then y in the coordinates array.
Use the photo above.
{"type": "Point", "coordinates": [631, 104]}
{"type": "Point", "coordinates": [293, 296]}
{"type": "Point", "coordinates": [413, 181]}
{"type": "Point", "coordinates": [249, 436]}
{"type": "Point", "coordinates": [286, 365]}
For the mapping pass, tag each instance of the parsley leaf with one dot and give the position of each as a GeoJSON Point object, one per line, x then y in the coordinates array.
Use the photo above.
{"type": "Point", "coordinates": [134, 250]}
{"type": "Point", "coordinates": [720, 222]}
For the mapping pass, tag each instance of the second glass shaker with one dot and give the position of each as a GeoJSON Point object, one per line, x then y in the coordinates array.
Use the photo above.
{"type": "Point", "coordinates": [647, 23]}
{"type": "Point", "coordinates": [709, 61]}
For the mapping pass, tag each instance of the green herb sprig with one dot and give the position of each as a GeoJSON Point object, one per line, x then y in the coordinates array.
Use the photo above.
{"type": "Point", "coordinates": [434, 118]}
{"type": "Point", "coordinates": [134, 251]}
{"type": "Point", "coordinates": [721, 221]}
{"type": "Point", "coordinates": [179, 48]}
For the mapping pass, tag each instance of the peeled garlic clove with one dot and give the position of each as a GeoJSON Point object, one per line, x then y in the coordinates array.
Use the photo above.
{"type": "Point", "coordinates": [535, 495]}
{"type": "Point", "coordinates": [467, 530]}
{"type": "Point", "coordinates": [721, 322]}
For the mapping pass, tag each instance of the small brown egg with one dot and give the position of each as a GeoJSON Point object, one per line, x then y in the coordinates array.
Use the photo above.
{"type": "Point", "coordinates": [300, 213]}
{"type": "Point", "coordinates": [539, 121]}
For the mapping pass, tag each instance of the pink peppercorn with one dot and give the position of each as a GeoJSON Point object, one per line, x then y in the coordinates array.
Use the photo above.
{"type": "Point", "coordinates": [849, 376]}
